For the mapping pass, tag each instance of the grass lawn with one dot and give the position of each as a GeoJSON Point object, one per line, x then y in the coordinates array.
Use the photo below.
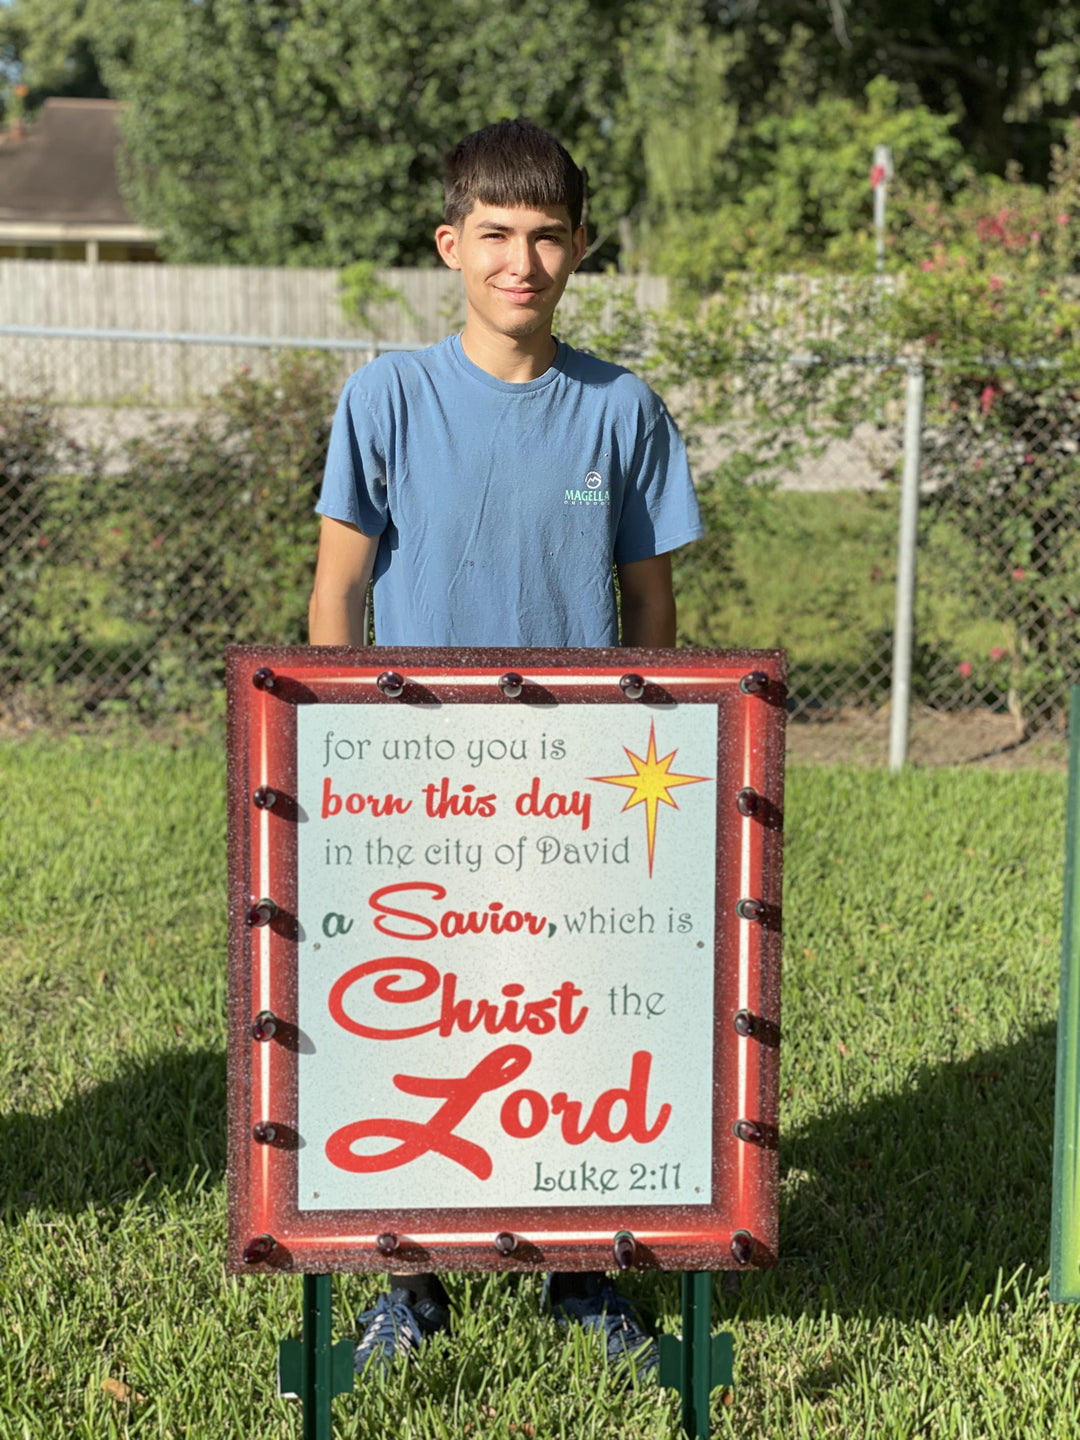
{"type": "Point", "coordinates": [920, 995]}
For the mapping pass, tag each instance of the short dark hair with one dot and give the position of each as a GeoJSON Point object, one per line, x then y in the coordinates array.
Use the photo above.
{"type": "Point", "coordinates": [513, 162]}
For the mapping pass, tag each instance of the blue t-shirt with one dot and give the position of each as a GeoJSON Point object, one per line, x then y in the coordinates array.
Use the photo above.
{"type": "Point", "coordinates": [501, 506]}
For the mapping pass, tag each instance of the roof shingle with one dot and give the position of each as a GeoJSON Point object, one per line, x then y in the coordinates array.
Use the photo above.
{"type": "Point", "coordinates": [64, 169]}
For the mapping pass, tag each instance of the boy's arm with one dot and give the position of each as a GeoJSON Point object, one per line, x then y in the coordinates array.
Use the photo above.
{"type": "Point", "coordinates": [647, 602]}
{"type": "Point", "coordinates": [346, 560]}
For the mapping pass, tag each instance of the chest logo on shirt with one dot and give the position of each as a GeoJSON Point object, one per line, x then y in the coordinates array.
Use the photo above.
{"type": "Point", "coordinates": [591, 494]}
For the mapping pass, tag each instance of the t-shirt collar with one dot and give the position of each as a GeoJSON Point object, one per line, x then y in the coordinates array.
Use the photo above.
{"type": "Point", "coordinates": [510, 387]}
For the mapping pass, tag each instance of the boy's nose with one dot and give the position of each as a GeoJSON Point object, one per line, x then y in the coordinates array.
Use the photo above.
{"type": "Point", "coordinates": [522, 257]}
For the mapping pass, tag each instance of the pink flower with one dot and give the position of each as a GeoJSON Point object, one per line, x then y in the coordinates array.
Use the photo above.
{"type": "Point", "coordinates": [964, 669]}
{"type": "Point", "coordinates": [1062, 219]}
{"type": "Point", "coordinates": [927, 265]}
{"type": "Point", "coordinates": [1036, 236]}
{"type": "Point", "coordinates": [995, 282]}
{"type": "Point", "coordinates": [998, 653]}
{"type": "Point", "coordinates": [1019, 573]}
{"type": "Point", "coordinates": [987, 398]}
{"type": "Point", "coordinates": [1029, 458]}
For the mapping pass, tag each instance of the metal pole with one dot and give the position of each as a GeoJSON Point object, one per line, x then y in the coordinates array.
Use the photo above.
{"type": "Point", "coordinates": [686, 1357]}
{"type": "Point", "coordinates": [702, 1343]}
{"type": "Point", "coordinates": [1064, 1229]}
{"type": "Point", "coordinates": [318, 1374]}
{"type": "Point", "coordinates": [904, 629]}
{"type": "Point", "coordinates": [696, 1354]}
{"type": "Point", "coordinates": [880, 176]}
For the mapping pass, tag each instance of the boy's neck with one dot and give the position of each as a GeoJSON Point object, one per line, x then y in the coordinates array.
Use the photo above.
{"type": "Point", "coordinates": [515, 358]}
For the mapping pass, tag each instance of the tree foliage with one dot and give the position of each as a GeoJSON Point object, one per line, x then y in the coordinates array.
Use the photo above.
{"type": "Point", "coordinates": [716, 134]}
{"type": "Point", "coordinates": [311, 131]}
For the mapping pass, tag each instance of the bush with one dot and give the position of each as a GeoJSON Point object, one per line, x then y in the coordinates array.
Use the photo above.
{"type": "Point", "coordinates": [32, 449]}
{"type": "Point", "coordinates": [222, 529]}
{"type": "Point", "coordinates": [992, 305]}
{"type": "Point", "coordinates": [720, 367]}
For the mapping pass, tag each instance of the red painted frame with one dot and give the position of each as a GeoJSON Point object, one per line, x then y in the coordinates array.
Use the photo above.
{"type": "Point", "coordinates": [739, 1226]}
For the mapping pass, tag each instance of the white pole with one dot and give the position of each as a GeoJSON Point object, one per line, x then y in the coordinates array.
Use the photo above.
{"type": "Point", "coordinates": [904, 630]}
{"type": "Point", "coordinates": [880, 176]}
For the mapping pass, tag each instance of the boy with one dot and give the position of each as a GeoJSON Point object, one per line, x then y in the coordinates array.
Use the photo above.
{"type": "Point", "coordinates": [488, 483]}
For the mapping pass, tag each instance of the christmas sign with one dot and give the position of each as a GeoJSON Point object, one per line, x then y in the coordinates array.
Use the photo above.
{"type": "Point", "coordinates": [504, 958]}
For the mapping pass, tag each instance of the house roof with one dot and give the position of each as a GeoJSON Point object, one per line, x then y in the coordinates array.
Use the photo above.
{"type": "Point", "coordinates": [64, 169]}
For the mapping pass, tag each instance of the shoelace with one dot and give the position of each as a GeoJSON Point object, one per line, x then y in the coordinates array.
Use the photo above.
{"type": "Point", "coordinates": [390, 1328]}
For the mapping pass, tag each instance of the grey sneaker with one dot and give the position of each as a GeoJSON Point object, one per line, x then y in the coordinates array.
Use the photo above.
{"type": "Point", "coordinates": [396, 1325]}
{"type": "Point", "coordinates": [599, 1307]}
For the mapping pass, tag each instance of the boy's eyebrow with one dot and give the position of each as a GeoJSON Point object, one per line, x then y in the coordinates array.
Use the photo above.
{"type": "Point", "coordinates": [559, 225]}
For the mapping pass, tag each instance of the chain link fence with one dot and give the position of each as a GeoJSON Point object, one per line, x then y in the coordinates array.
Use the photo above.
{"type": "Point", "coordinates": [136, 541]}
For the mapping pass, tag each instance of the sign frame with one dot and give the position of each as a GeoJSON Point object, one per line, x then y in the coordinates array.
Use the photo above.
{"type": "Point", "coordinates": [738, 1227]}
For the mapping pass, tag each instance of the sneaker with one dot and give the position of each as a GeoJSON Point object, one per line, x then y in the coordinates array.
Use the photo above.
{"type": "Point", "coordinates": [397, 1325]}
{"type": "Point", "coordinates": [597, 1305]}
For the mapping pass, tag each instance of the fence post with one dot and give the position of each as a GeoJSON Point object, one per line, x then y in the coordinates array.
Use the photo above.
{"type": "Point", "coordinates": [904, 629]}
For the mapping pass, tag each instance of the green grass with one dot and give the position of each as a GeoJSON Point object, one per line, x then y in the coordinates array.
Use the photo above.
{"type": "Point", "coordinates": [921, 962]}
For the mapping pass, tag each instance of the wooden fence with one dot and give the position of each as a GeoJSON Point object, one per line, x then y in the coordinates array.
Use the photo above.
{"type": "Point", "coordinates": [209, 300]}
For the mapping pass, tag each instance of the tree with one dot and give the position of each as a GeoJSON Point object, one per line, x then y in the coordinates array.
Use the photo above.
{"type": "Point", "coordinates": [49, 46]}
{"type": "Point", "coordinates": [770, 178]}
{"type": "Point", "coordinates": [311, 131]}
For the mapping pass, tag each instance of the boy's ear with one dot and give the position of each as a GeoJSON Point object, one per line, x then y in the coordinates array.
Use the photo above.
{"type": "Point", "coordinates": [446, 240]}
{"type": "Point", "coordinates": [579, 244]}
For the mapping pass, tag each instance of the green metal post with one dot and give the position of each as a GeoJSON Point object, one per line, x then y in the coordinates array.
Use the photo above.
{"type": "Point", "coordinates": [318, 1382]}
{"type": "Point", "coordinates": [700, 1284]}
{"type": "Point", "coordinates": [1065, 1219]}
{"type": "Point", "coordinates": [698, 1362]}
{"type": "Point", "coordinates": [313, 1369]}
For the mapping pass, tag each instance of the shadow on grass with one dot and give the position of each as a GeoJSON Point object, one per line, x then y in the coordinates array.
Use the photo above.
{"type": "Point", "coordinates": [909, 1205]}
{"type": "Point", "coordinates": [162, 1119]}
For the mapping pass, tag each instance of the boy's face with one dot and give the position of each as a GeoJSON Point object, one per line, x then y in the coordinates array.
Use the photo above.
{"type": "Point", "coordinates": [515, 263]}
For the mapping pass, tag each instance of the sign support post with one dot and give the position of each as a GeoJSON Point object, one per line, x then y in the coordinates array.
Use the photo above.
{"type": "Point", "coordinates": [314, 1369]}
{"type": "Point", "coordinates": [696, 1364]}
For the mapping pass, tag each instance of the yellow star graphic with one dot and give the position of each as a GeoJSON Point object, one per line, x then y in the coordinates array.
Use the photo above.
{"type": "Point", "coordinates": [651, 783]}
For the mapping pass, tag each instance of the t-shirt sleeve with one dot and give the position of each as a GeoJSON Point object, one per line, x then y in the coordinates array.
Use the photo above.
{"type": "Point", "coordinates": [354, 482]}
{"type": "Point", "coordinates": [659, 508]}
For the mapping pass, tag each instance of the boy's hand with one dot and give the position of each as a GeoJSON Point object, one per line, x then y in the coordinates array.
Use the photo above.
{"type": "Point", "coordinates": [346, 560]}
{"type": "Point", "coordinates": [647, 604]}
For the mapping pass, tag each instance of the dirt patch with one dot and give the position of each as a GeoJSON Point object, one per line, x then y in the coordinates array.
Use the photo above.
{"type": "Point", "coordinates": [968, 737]}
